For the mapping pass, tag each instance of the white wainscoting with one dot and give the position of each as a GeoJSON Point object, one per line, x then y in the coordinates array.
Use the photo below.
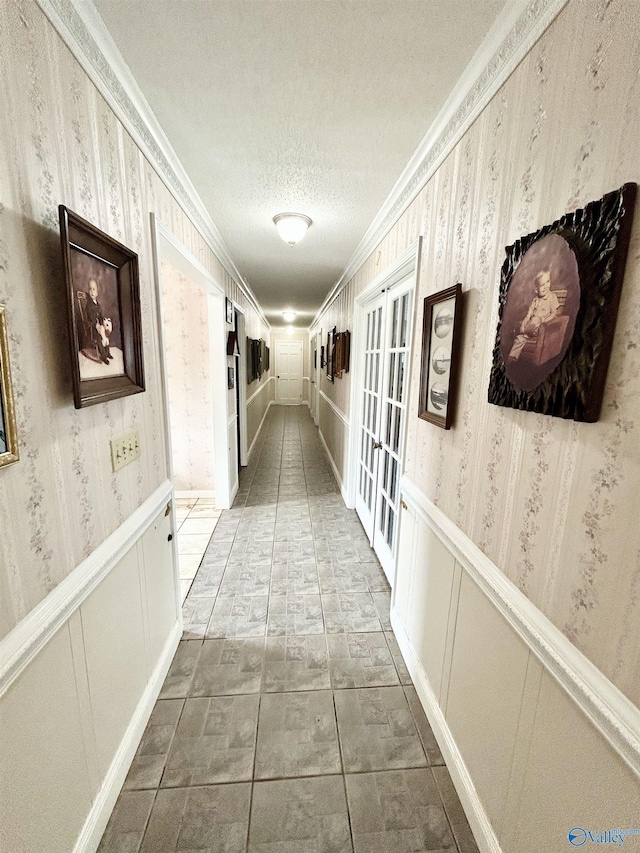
{"type": "Point", "coordinates": [79, 677]}
{"type": "Point", "coordinates": [256, 403]}
{"type": "Point", "coordinates": [537, 740]}
{"type": "Point", "coordinates": [333, 428]}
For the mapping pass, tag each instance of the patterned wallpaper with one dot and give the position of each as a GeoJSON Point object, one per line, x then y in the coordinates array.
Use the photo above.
{"type": "Point", "coordinates": [60, 143]}
{"type": "Point", "coordinates": [554, 504]}
{"type": "Point", "coordinates": [186, 337]}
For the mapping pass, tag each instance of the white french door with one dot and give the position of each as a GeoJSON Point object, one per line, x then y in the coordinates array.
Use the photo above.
{"type": "Point", "coordinates": [385, 392]}
{"type": "Point", "coordinates": [289, 372]}
{"type": "Point", "coordinates": [367, 480]}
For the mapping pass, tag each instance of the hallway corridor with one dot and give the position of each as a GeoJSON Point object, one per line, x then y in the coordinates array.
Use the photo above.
{"type": "Point", "coordinates": [288, 722]}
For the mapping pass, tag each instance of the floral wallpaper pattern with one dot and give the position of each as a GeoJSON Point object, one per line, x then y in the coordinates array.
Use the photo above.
{"type": "Point", "coordinates": [61, 143]}
{"type": "Point", "coordinates": [554, 504]}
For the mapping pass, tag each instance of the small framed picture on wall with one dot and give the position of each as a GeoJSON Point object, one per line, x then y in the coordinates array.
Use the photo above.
{"type": "Point", "coordinates": [103, 312]}
{"type": "Point", "coordinates": [438, 378]}
{"type": "Point", "coordinates": [228, 305]}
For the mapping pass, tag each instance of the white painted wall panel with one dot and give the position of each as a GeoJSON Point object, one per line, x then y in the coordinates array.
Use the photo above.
{"type": "Point", "coordinates": [115, 650]}
{"type": "Point", "coordinates": [161, 603]}
{"type": "Point", "coordinates": [405, 564]}
{"type": "Point", "coordinates": [488, 671]}
{"type": "Point", "coordinates": [45, 790]}
{"type": "Point", "coordinates": [429, 603]}
{"type": "Point", "coordinates": [574, 779]}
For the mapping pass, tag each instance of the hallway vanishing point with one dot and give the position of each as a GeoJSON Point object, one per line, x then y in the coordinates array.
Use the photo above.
{"type": "Point", "coordinates": [288, 722]}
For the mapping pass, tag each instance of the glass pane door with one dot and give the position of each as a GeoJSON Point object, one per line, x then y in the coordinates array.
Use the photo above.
{"type": "Point", "coordinates": [367, 476]}
{"type": "Point", "coordinates": [393, 399]}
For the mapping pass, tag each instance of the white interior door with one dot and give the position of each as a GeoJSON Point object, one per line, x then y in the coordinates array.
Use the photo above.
{"type": "Point", "coordinates": [388, 324]}
{"type": "Point", "coordinates": [289, 372]}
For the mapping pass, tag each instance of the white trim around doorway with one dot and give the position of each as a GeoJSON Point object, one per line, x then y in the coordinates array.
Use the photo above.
{"type": "Point", "coordinates": [166, 246]}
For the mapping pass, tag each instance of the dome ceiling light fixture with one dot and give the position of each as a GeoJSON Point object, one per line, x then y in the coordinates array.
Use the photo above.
{"type": "Point", "coordinates": [291, 226]}
{"type": "Point", "coordinates": [289, 316]}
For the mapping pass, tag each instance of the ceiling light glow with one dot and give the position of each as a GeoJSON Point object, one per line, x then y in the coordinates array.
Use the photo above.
{"type": "Point", "coordinates": [292, 226]}
{"type": "Point", "coordinates": [289, 316]}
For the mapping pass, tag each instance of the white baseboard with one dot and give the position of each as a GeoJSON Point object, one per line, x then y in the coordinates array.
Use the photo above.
{"type": "Point", "coordinates": [195, 493]}
{"type": "Point", "coordinates": [259, 430]}
{"type": "Point", "coordinates": [104, 803]}
{"type": "Point", "coordinates": [476, 815]}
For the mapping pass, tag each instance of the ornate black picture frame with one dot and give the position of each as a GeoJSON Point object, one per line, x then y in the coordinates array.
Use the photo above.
{"type": "Point", "coordinates": [440, 355]}
{"type": "Point", "coordinates": [103, 312]}
{"type": "Point", "coordinates": [559, 295]}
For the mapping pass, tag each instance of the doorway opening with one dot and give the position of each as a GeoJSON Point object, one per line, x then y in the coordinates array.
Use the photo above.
{"type": "Point", "coordinates": [192, 335]}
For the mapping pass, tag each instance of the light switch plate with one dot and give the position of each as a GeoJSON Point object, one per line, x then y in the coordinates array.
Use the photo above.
{"type": "Point", "coordinates": [124, 449]}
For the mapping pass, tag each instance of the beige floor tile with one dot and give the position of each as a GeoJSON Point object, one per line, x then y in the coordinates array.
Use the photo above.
{"type": "Point", "coordinates": [198, 526]}
{"type": "Point", "coordinates": [192, 543]}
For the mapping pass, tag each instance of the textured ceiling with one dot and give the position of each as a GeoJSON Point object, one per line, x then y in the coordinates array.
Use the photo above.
{"type": "Point", "coordinates": [314, 106]}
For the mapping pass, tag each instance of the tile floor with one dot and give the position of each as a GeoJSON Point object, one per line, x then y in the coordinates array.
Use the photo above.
{"type": "Point", "coordinates": [196, 519]}
{"type": "Point", "coordinates": [288, 722]}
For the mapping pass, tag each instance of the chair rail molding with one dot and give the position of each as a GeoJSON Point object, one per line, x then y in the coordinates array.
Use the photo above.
{"type": "Point", "coordinates": [338, 412]}
{"type": "Point", "coordinates": [520, 25]}
{"type": "Point", "coordinates": [23, 643]}
{"type": "Point", "coordinates": [263, 385]}
{"type": "Point", "coordinates": [609, 710]}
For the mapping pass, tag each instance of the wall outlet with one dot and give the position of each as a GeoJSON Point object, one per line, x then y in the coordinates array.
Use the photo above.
{"type": "Point", "coordinates": [124, 449]}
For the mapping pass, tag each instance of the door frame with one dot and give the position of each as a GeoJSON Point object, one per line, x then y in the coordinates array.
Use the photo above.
{"type": "Point", "coordinates": [241, 377]}
{"type": "Point", "coordinates": [280, 341]}
{"type": "Point", "coordinates": [166, 246]}
{"type": "Point", "coordinates": [318, 369]}
{"type": "Point", "coordinates": [406, 263]}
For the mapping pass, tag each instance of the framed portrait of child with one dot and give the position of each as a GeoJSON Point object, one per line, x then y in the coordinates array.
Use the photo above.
{"type": "Point", "coordinates": [559, 293]}
{"type": "Point", "coordinates": [103, 311]}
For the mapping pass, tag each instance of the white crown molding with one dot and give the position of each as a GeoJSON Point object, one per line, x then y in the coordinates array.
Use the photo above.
{"type": "Point", "coordinates": [85, 34]}
{"type": "Point", "coordinates": [334, 408]}
{"type": "Point", "coordinates": [23, 643]}
{"type": "Point", "coordinates": [520, 25]}
{"type": "Point", "coordinates": [615, 716]}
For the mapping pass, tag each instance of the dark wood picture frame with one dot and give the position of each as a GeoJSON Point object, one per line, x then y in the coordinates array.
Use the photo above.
{"type": "Point", "coordinates": [81, 239]}
{"type": "Point", "coordinates": [228, 307]}
{"type": "Point", "coordinates": [9, 450]}
{"type": "Point", "coordinates": [330, 354]}
{"type": "Point", "coordinates": [557, 365]}
{"type": "Point", "coordinates": [440, 356]}
{"type": "Point", "coordinates": [342, 353]}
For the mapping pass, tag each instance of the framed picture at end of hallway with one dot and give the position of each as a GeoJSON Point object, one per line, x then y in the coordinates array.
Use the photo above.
{"type": "Point", "coordinates": [559, 293]}
{"type": "Point", "coordinates": [440, 336]}
{"type": "Point", "coordinates": [103, 313]}
{"type": "Point", "coordinates": [8, 428]}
